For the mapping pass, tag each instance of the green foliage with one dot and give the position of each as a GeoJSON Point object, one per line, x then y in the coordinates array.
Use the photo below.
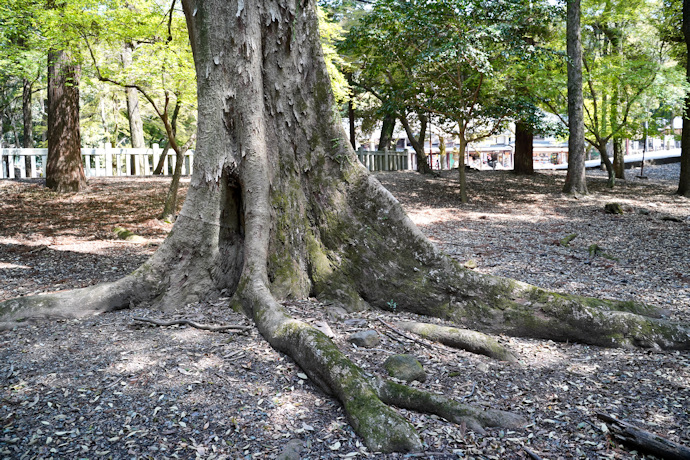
{"type": "Point", "coordinates": [627, 72]}
{"type": "Point", "coordinates": [449, 58]}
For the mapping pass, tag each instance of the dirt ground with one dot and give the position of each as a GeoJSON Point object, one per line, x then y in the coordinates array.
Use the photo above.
{"type": "Point", "coordinates": [111, 387]}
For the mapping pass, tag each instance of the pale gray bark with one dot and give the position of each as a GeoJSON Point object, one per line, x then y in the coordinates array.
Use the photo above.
{"type": "Point", "coordinates": [136, 126]}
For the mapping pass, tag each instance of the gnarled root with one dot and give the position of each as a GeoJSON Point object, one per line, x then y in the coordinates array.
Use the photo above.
{"type": "Point", "coordinates": [366, 403]}
{"type": "Point", "coordinates": [422, 401]}
{"type": "Point", "coordinates": [76, 303]}
{"type": "Point", "coordinates": [464, 339]}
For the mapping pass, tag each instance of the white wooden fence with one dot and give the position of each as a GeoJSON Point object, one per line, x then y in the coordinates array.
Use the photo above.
{"type": "Point", "coordinates": [387, 160]}
{"type": "Point", "coordinates": [24, 163]}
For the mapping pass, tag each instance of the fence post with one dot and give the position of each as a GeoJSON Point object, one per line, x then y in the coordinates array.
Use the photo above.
{"type": "Point", "coordinates": [108, 160]}
{"type": "Point", "coordinates": [97, 159]}
{"type": "Point", "coordinates": [33, 172]}
{"type": "Point", "coordinates": [44, 163]}
{"type": "Point", "coordinates": [191, 162]}
{"type": "Point", "coordinates": [87, 164]}
{"type": "Point", "coordinates": [156, 155]}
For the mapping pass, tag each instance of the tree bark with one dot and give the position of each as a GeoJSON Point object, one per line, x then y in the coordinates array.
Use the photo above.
{"type": "Point", "coordinates": [173, 125]}
{"type": "Point", "coordinates": [28, 138]}
{"type": "Point", "coordinates": [575, 182]}
{"type": "Point", "coordinates": [351, 122]}
{"type": "Point", "coordinates": [136, 127]}
{"type": "Point", "coordinates": [64, 170]}
{"type": "Point", "coordinates": [387, 129]}
{"type": "Point", "coordinates": [462, 147]}
{"type": "Point", "coordinates": [523, 162]}
{"type": "Point", "coordinates": [418, 143]}
{"type": "Point", "coordinates": [279, 207]}
{"type": "Point", "coordinates": [602, 147]}
{"type": "Point", "coordinates": [618, 158]}
{"type": "Point", "coordinates": [684, 181]}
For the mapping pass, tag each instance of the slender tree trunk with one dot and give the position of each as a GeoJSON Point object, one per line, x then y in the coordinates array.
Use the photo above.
{"type": "Point", "coordinates": [351, 120]}
{"type": "Point", "coordinates": [602, 147]}
{"type": "Point", "coordinates": [170, 207]}
{"type": "Point", "coordinates": [28, 139]}
{"type": "Point", "coordinates": [387, 129]}
{"type": "Point", "coordinates": [64, 171]}
{"type": "Point", "coordinates": [684, 181]}
{"type": "Point", "coordinates": [173, 124]}
{"type": "Point", "coordinates": [278, 207]}
{"type": "Point", "coordinates": [28, 134]}
{"type": "Point", "coordinates": [136, 127]}
{"type": "Point", "coordinates": [462, 147]}
{"type": "Point", "coordinates": [523, 162]}
{"type": "Point", "coordinates": [418, 144]}
{"type": "Point", "coordinates": [618, 158]}
{"type": "Point", "coordinates": [575, 179]}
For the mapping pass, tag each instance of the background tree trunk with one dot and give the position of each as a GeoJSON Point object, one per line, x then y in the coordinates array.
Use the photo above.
{"type": "Point", "coordinates": [575, 179]}
{"type": "Point", "coordinates": [351, 122]}
{"type": "Point", "coordinates": [602, 147]}
{"type": "Point", "coordinates": [524, 149]}
{"type": "Point", "coordinates": [387, 129]}
{"type": "Point", "coordinates": [136, 127]}
{"type": "Point", "coordinates": [684, 181]}
{"type": "Point", "coordinates": [28, 138]}
{"type": "Point", "coordinates": [418, 144]}
{"type": "Point", "coordinates": [618, 158]}
{"type": "Point", "coordinates": [462, 147]}
{"type": "Point", "coordinates": [64, 171]}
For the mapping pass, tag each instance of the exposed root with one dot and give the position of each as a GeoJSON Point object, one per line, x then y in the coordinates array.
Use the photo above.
{"type": "Point", "coordinates": [76, 303]}
{"type": "Point", "coordinates": [465, 339]}
{"type": "Point", "coordinates": [382, 428]}
{"type": "Point", "coordinates": [186, 322]}
{"type": "Point", "coordinates": [422, 401]}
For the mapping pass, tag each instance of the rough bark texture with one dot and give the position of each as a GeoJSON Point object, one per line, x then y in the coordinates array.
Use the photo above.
{"type": "Point", "coordinates": [387, 128]}
{"type": "Point", "coordinates": [136, 127]}
{"type": "Point", "coordinates": [606, 161]}
{"type": "Point", "coordinates": [28, 138]}
{"type": "Point", "coordinates": [418, 143]}
{"type": "Point", "coordinates": [684, 181]}
{"type": "Point", "coordinates": [618, 158]}
{"type": "Point", "coordinates": [524, 149]}
{"type": "Point", "coordinates": [575, 179]}
{"type": "Point", "coordinates": [64, 171]}
{"type": "Point", "coordinates": [472, 341]}
{"type": "Point", "coordinates": [279, 207]}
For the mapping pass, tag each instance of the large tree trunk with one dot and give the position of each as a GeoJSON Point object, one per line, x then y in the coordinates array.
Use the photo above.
{"type": "Point", "coordinates": [575, 182]}
{"type": "Point", "coordinates": [278, 206]}
{"type": "Point", "coordinates": [684, 181]}
{"type": "Point", "coordinates": [64, 171]}
{"type": "Point", "coordinates": [136, 127]}
{"type": "Point", "coordinates": [523, 162]}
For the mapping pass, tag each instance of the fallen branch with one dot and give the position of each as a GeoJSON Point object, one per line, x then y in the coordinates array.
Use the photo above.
{"type": "Point", "coordinates": [405, 335]}
{"type": "Point", "coordinates": [531, 453]}
{"type": "Point", "coordinates": [186, 322]}
{"type": "Point", "coordinates": [644, 440]}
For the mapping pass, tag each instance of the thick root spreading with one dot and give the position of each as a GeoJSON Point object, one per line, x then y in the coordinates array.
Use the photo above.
{"type": "Point", "coordinates": [464, 339]}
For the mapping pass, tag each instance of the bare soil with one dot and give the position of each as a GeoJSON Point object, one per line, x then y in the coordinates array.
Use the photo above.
{"type": "Point", "coordinates": [110, 387]}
